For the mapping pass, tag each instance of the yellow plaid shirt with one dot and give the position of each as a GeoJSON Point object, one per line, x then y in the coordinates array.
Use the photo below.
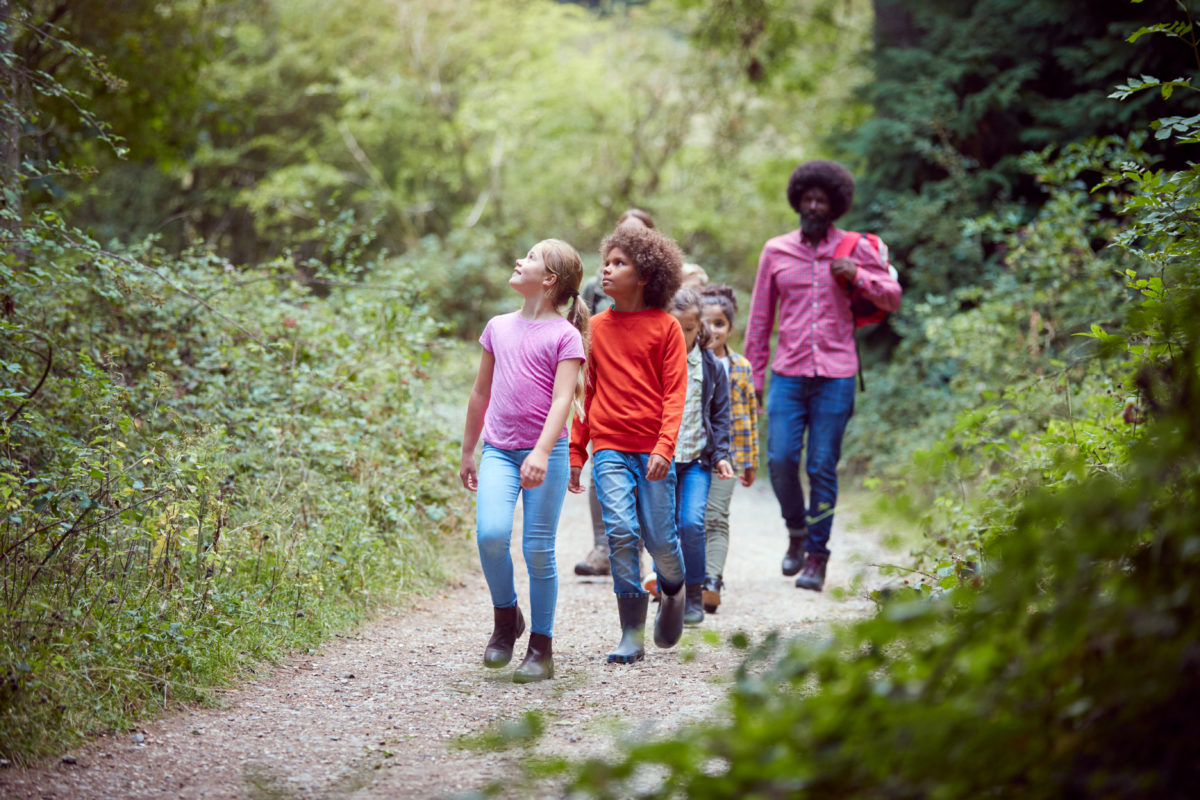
{"type": "Point", "coordinates": [743, 413]}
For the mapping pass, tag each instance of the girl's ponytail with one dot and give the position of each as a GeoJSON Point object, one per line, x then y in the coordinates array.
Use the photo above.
{"type": "Point", "coordinates": [578, 316]}
{"type": "Point", "coordinates": [562, 260]}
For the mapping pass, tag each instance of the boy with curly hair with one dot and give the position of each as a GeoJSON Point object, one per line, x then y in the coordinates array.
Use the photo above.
{"type": "Point", "coordinates": [637, 384]}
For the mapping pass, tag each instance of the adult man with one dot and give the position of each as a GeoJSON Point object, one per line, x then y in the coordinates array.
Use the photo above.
{"type": "Point", "coordinates": [812, 375]}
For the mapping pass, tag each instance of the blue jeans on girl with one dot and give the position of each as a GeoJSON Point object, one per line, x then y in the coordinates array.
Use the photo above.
{"type": "Point", "coordinates": [694, 483]}
{"type": "Point", "coordinates": [822, 406]}
{"type": "Point", "coordinates": [499, 487]}
{"type": "Point", "coordinates": [636, 508]}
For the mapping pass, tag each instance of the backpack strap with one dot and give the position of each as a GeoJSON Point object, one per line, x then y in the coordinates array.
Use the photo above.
{"type": "Point", "coordinates": [844, 249]}
{"type": "Point", "coordinates": [847, 244]}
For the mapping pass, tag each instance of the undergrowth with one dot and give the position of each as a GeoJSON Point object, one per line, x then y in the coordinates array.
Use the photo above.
{"type": "Point", "coordinates": [190, 491]}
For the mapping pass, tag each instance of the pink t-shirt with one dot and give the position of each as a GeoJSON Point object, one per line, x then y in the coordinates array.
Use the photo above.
{"type": "Point", "coordinates": [527, 355]}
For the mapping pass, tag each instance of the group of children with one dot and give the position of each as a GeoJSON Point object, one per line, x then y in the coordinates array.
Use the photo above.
{"type": "Point", "coordinates": [664, 404]}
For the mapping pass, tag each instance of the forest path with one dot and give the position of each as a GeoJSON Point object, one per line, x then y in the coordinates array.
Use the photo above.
{"type": "Point", "coordinates": [378, 713]}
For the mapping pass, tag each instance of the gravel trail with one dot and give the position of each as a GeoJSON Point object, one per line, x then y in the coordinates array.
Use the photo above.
{"type": "Point", "coordinates": [379, 713]}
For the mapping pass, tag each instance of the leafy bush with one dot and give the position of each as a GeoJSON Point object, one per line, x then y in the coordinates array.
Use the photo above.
{"type": "Point", "coordinates": [185, 495]}
{"type": "Point", "coordinates": [1012, 341]}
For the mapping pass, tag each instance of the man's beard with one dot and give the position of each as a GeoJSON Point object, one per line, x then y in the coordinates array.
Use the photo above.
{"type": "Point", "coordinates": [814, 226]}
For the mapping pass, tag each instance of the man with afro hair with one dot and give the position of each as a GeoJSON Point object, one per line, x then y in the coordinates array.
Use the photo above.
{"type": "Point", "coordinates": [807, 284]}
{"type": "Point", "coordinates": [636, 388]}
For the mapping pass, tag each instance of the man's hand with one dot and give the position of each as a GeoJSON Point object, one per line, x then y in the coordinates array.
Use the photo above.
{"type": "Point", "coordinates": [748, 476]}
{"type": "Point", "coordinates": [573, 484]}
{"type": "Point", "coordinates": [657, 467]}
{"type": "Point", "coordinates": [844, 269]}
{"type": "Point", "coordinates": [758, 399]}
{"type": "Point", "coordinates": [724, 470]}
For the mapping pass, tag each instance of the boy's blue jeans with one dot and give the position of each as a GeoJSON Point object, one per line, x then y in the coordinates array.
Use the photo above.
{"type": "Point", "coordinates": [499, 487]}
{"type": "Point", "coordinates": [637, 508]}
{"type": "Point", "coordinates": [822, 406]}
{"type": "Point", "coordinates": [694, 482]}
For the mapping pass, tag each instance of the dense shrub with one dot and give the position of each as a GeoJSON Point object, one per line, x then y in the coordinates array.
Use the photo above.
{"type": "Point", "coordinates": [192, 489]}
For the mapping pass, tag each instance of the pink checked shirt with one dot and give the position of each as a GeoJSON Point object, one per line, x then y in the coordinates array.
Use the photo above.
{"type": "Point", "coordinates": [816, 326]}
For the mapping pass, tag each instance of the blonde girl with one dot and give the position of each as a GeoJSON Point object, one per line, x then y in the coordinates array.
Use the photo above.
{"type": "Point", "coordinates": [529, 376]}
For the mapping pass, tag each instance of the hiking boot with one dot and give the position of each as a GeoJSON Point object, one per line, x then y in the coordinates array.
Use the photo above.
{"type": "Point", "coordinates": [594, 563]}
{"type": "Point", "coordinates": [668, 623]}
{"type": "Point", "coordinates": [813, 576]}
{"type": "Point", "coordinates": [632, 611]}
{"type": "Point", "coordinates": [793, 559]}
{"type": "Point", "coordinates": [539, 661]}
{"type": "Point", "coordinates": [508, 625]}
{"type": "Point", "coordinates": [712, 594]}
{"type": "Point", "coordinates": [693, 607]}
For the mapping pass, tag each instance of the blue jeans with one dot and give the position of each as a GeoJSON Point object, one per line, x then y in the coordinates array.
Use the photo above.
{"type": "Point", "coordinates": [499, 487]}
{"type": "Point", "coordinates": [694, 482]}
{"type": "Point", "coordinates": [636, 508]}
{"type": "Point", "coordinates": [822, 406]}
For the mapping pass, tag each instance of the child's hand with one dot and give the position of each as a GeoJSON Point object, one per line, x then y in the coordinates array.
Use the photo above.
{"type": "Point", "coordinates": [573, 484]}
{"type": "Point", "coordinates": [725, 470]}
{"type": "Point", "coordinates": [533, 469]}
{"type": "Point", "coordinates": [657, 467]}
{"type": "Point", "coordinates": [467, 472]}
{"type": "Point", "coordinates": [749, 475]}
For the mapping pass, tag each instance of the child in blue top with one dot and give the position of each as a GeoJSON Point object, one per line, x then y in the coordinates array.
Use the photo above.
{"type": "Point", "coordinates": [528, 376]}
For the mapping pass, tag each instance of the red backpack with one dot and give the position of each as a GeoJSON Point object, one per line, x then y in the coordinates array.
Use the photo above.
{"type": "Point", "coordinates": [865, 312]}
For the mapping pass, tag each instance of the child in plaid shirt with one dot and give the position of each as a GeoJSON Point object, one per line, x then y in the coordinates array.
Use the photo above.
{"type": "Point", "coordinates": [718, 310]}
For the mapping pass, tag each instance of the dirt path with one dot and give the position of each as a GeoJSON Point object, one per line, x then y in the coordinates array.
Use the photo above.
{"type": "Point", "coordinates": [377, 714]}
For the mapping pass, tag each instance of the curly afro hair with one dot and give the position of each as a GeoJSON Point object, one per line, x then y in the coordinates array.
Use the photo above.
{"type": "Point", "coordinates": [835, 179]}
{"type": "Point", "coordinates": [657, 259]}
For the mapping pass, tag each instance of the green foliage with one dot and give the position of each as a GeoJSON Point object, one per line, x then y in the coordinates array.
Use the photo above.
{"type": "Point", "coordinates": [1012, 340]}
{"type": "Point", "coordinates": [182, 499]}
{"type": "Point", "coordinates": [467, 130]}
{"type": "Point", "coordinates": [961, 91]}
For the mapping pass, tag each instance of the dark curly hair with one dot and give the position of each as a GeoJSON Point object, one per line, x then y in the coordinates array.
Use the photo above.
{"type": "Point", "coordinates": [835, 179]}
{"type": "Point", "coordinates": [657, 259]}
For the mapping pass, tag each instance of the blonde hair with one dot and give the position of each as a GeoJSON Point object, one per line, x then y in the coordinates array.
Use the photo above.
{"type": "Point", "coordinates": [694, 276]}
{"type": "Point", "coordinates": [563, 261]}
{"type": "Point", "coordinates": [636, 215]}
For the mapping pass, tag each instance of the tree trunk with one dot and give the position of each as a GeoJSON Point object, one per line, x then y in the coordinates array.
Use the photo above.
{"type": "Point", "coordinates": [894, 25]}
{"type": "Point", "coordinates": [10, 132]}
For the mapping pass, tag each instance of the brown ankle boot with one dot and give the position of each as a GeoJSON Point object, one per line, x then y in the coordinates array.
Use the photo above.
{"type": "Point", "coordinates": [596, 562]}
{"type": "Point", "coordinates": [508, 625]}
{"type": "Point", "coordinates": [539, 661]}
{"type": "Point", "coordinates": [813, 576]}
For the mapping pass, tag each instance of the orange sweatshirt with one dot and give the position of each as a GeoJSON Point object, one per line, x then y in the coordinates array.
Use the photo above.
{"type": "Point", "coordinates": [637, 381]}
